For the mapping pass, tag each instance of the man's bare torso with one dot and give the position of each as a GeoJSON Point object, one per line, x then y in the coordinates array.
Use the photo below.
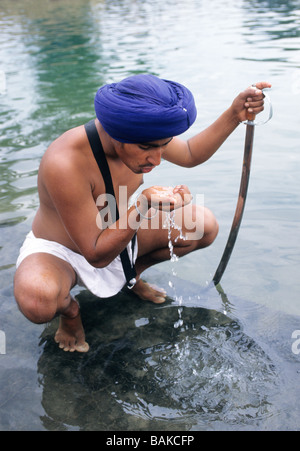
{"type": "Point", "coordinates": [72, 155]}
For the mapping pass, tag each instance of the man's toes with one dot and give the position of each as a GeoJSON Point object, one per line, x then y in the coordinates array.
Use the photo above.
{"type": "Point", "coordinates": [66, 347]}
{"type": "Point", "coordinates": [61, 344]}
{"type": "Point", "coordinates": [158, 291]}
{"type": "Point", "coordinates": [159, 300]}
{"type": "Point", "coordinates": [71, 347]}
{"type": "Point", "coordinates": [82, 347]}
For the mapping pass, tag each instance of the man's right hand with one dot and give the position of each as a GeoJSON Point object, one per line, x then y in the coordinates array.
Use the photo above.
{"type": "Point", "coordinates": [167, 198]}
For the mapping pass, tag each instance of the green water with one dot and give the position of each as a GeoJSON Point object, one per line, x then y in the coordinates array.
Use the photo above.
{"type": "Point", "coordinates": [229, 365]}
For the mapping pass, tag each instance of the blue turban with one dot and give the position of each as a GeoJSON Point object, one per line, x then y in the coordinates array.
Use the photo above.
{"type": "Point", "coordinates": [144, 108]}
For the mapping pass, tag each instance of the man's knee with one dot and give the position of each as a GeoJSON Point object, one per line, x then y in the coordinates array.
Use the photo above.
{"type": "Point", "coordinates": [211, 226]}
{"type": "Point", "coordinates": [203, 227]}
{"type": "Point", "coordinates": [37, 300]}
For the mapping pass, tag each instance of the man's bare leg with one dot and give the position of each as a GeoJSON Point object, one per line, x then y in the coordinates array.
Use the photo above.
{"type": "Point", "coordinates": [154, 248]}
{"type": "Point", "coordinates": [42, 290]}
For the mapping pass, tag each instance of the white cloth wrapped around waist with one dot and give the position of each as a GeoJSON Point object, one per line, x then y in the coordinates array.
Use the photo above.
{"type": "Point", "coordinates": [102, 282]}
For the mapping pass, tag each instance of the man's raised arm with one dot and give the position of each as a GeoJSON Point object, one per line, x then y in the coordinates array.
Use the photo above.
{"type": "Point", "coordinates": [202, 146]}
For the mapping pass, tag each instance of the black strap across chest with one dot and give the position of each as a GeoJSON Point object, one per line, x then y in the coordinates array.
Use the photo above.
{"type": "Point", "coordinates": [100, 157]}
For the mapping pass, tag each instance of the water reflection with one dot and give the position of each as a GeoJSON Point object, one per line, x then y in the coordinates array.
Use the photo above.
{"type": "Point", "coordinates": [279, 6]}
{"type": "Point", "coordinates": [143, 373]}
{"type": "Point", "coordinates": [277, 20]}
{"type": "Point", "coordinates": [49, 89]}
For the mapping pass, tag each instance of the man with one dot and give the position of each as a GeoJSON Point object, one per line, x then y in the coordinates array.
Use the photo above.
{"type": "Point", "coordinates": [71, 243]}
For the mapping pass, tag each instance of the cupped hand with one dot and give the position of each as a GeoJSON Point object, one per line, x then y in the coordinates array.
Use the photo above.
{"type": "Point", "coordinates": [167, 198]}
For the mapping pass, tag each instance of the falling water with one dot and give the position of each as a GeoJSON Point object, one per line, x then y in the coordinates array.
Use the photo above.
{"type": "Point", "coordinates": [170, 224]}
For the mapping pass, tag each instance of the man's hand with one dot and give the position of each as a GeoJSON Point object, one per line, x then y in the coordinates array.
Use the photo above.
{"type": "Point", "coordinates": [251, 100]}
{"type": "Point", "coordinates": [167, 198]}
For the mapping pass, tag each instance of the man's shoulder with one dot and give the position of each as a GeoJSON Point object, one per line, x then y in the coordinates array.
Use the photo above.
{"type": "Point", "coordinates": [67, 153]}
{"type": "Point", "coordinates": [75, 138]}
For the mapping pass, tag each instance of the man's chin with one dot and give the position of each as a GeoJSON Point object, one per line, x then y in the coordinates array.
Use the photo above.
{"type": "Point", "coordinates": [142, 169]}
{"type": "Point", "coordinates": [147, 169]}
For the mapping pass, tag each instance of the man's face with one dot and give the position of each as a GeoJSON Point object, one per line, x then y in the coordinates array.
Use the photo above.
{"type": "Point", "coordinates": [142, 158]}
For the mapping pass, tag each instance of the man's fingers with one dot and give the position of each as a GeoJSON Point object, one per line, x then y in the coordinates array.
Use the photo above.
{"type": "Point", "coordinates": [263, 85]}
{"type": "Point", "coordinates": [257, 104]}
{"type": "Point", "coordinates": [256, 89]}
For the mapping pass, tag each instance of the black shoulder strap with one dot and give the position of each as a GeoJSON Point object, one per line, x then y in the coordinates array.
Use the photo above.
{"type": "Point", "coordinates": [98, 151]}
{"type": "Point", "coordinates": [99, 154]}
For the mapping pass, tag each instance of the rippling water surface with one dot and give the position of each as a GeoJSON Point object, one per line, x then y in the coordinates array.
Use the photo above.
{"type": "Point", "coordinates": [206, 360]}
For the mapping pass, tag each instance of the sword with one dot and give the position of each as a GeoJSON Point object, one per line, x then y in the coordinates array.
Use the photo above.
{"type": "Point", "coordinates": [241, 202]}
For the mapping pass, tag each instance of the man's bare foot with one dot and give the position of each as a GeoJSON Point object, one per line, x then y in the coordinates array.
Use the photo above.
{"type": "Point", "coordinates": [148, 292]}
{"type": "Point", "coordinates": [70, 334]}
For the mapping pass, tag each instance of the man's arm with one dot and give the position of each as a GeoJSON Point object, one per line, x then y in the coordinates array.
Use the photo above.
{"type": "Point", "coordinates": [201, 147]}
{"type": "Point", "coordinates": [72, 197]}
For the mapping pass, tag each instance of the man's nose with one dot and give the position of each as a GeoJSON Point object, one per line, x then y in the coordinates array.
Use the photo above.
{"type": "Point", "coordinates": [155, 157]}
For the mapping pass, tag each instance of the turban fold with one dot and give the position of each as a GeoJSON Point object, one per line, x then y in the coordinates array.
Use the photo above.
{"type": "Point", "coordinates": [144, 108]}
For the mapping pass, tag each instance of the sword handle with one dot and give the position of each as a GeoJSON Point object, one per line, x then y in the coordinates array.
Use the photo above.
{"type": "Point", "coordinates": [250, 116]}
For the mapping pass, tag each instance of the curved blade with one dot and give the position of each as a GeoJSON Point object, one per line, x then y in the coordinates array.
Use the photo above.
{"type": "Point", "coordinates": [240, 203]}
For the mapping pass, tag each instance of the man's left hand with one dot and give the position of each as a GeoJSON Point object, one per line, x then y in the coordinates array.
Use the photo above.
{"type": "Point", "coordinates": [251, 100]}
